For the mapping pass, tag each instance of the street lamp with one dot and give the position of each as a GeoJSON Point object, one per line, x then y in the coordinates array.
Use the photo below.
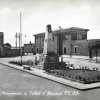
{"type": "Point", "coordinates": [70, 50]}
{"type": "Point", "coordinates": [20, 36]}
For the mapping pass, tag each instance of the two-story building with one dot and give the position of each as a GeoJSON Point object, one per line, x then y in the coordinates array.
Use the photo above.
{"type": "Point", "coordinates": [70, 41]}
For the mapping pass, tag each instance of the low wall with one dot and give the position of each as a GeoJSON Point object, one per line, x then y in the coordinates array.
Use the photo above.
{"type": "Point", "coordinates": [11, 52]}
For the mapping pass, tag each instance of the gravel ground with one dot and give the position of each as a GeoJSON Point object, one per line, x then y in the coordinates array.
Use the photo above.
{"type": "Point", "coordinates": [82, 61]}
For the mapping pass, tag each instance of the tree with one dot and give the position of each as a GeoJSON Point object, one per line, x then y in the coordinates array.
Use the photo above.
{"type": "Point", "coordinates": [94, 45]}
{"type": "Point", "coordinates": [7, 46]}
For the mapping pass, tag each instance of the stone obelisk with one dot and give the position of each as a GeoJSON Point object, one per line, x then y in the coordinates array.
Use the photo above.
{"type": "Point", "coordinates": [48, 43]}
{"type": "Point", "coordinates": [50, 58]}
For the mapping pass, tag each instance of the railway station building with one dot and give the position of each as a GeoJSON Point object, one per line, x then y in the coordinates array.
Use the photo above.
{"type": "Point", "coordinates": [70, 41]}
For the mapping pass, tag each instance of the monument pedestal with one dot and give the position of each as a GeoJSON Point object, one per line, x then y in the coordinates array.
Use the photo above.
{"type": "Point", "coordinates": [50, 61]}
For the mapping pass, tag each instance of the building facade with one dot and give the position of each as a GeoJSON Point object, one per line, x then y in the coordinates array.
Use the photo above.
{"type": "Point", "coordinates": [70, 41]}
{"type": "Point", "coordinates": [29, 48]}
{"type": "Point", "coordinates": [1, 43]}
{"type": "Point", "coordinates": [12, 52]}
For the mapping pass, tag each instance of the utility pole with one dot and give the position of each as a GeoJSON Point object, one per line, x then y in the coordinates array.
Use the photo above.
{"type": "Point", "coordinates": [96, 54]}
{"type": "Point", "coordinates": [21, 36]}
{"type": "Point", "coordinates": [16, 40]}
{"type": "Point", "coordinates": [70, 50]}
{"type": "Point", "coordinates": [19, 43]}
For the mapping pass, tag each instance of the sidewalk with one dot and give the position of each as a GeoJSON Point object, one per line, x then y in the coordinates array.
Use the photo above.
{"type": "Point", "coordinates": [80, 57]}
{"type": "Point", "coordinates": [76, 57]}
{"type": "Point", "coordinates": [41, 73]}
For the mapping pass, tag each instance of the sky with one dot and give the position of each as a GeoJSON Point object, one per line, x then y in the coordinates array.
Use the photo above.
{"type": "Point", "coordinates": [36, 14]}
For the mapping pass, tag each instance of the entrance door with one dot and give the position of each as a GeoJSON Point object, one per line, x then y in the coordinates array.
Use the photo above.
{"type": "Point", "coordinates": [64, 50]}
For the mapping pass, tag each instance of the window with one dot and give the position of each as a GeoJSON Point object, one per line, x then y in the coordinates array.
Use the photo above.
{"type": "Point", "coordinates": [32, 49]}
{"type": "Point", "coordinates": [64, 50]}
{"type": "Point", "coordinates": [75, 48]}
{"type": "Point", "coordinates": [79, 37]}
{"type": "Point", "coordinates": [84, 36]}
{"type": "Point", "coordinates": [42, 39]}
{"type": "Point", "coordinates": [37, 50]}
{"type": "Point", "coordinates": [74, 36]}
{"type": "Point", "coordinates": [53, 38]}
{"type": "Point", "coordinates": [66, 36]}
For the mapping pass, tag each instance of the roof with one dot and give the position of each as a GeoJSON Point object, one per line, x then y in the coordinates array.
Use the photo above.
{"type": "Point", "coordinates": [94, 40]}
{"type": "Point", "coordinates": [14, 47]}
{"type": "Point", "coordinates": [1, 33]}
{"type": "Point", "coordinates": [30, 44]}
{"type": "Point", "coordinates": [64, 30]}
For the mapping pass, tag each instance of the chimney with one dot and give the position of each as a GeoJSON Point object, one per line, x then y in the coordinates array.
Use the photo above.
{"type": "Point", "coordinates": [30, 42]}
{"type": "Point", "coordinates": [60, 27]}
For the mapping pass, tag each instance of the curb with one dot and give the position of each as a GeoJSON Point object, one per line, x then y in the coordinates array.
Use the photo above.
{"type": "Point", "coordinates": [66, 82]}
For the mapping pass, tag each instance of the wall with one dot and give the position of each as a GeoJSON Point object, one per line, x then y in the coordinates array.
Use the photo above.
{"type": "Point", "coordinates": [67, 44]}
{"type": "Point", "coordinates": [1, 39]}
{"type": "Point", "coordinates": [68, 39]}
{"type": "Point", "coordinates": [29, 48]}
{"type": "Point", "coordinates": [1, 44]}
{"type": "Point", "coordinates": [11, 52]}
{"type": "Point", "coordinates": [1, 51]}
{"type": "Point", "coordinates": [82, 47]}
{"type": "Point", "coordinates": [39, 43]}
{"type": "Point", "coordinates": [61, 37]}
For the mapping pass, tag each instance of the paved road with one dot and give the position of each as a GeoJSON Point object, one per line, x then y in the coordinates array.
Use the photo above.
{"type": "Point", "coordinates": [30, 87]}
{"type": "Point", "coordinates": [15, 81]}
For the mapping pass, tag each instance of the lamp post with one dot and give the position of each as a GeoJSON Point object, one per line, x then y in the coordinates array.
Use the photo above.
{"type": "Point", "coordinates": [70, 50]}
{"type": "Point", "coordinates": [20, 36]}
{"type": "Point", "coordinates": [16, 39]}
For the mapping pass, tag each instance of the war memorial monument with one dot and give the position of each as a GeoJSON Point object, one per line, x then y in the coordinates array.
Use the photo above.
{"type": "Point", "coordinates": [81, 77]}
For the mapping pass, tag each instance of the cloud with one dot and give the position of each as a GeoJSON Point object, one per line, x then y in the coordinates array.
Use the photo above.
{"type": "Point", "coordinates": [5, 10]}
{"type": "Point", "coordinates": [37, 14]}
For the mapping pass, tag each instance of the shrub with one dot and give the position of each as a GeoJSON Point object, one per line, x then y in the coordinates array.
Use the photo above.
{"type": "Point", "coordinates": [28, 62]}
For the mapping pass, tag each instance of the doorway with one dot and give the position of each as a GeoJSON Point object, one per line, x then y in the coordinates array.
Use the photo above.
{"type": "Point", "coordinates": [64, 51]}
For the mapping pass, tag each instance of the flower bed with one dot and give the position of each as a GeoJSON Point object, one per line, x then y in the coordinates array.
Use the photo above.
{"type": "Point", "coordinates": [28, 62]}
{"type": "Point", "coordinates": [79, 75]}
